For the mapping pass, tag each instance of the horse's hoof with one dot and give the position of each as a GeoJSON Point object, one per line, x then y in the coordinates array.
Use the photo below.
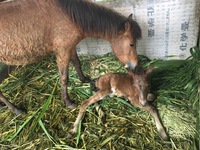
{"type": "Point", "coordinates": [86, 80]}
{"type": "Point", "coordinates": [71, 105]}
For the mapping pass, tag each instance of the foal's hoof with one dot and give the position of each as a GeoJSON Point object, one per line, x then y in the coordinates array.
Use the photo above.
{"type": "Point", "coordinates": [151, 97]}
{"type": "Point", "coordinates": [19, 112]}
{"type": "Point", "coordinates": [71, 105]}
{"type": "Point", "coordinates": [70, 135]}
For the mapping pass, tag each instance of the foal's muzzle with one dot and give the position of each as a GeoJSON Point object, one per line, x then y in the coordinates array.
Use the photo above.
{"type": "Point", "coordinates": [143, 103]}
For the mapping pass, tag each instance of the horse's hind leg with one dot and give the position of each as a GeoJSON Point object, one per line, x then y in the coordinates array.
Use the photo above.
{"type": "Point", "coordinates": [5, 70]}
{"type": "Point", "coordinates": [12, 107]}
{"type": "Point", "coordinates": [4, 74]}
{"type": "Point", "coordinates": [76, 62]}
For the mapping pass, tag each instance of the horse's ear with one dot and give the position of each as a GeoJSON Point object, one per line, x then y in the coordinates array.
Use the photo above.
{"type": "Point", "coordinates": [130, 17]}
{"type": "Point", "coordinates": [127, 23]}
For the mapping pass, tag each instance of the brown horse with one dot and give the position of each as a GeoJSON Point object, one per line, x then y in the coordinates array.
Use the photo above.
{"type": "Point", "coordinates": [134, 86]}
{"type": "Point", "coordinates": [32, 29]}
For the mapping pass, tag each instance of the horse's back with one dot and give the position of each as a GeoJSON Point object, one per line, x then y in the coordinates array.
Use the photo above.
{"type": "Point", "coordinates": [22, 33]}
{"type": "Point", "coordinates": [28, 30]}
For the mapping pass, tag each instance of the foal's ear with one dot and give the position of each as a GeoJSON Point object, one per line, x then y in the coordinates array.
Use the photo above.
{"type": "Point", "coordinates": [127, 23]}
{"type": "Point", "coordinates": [149, 70]}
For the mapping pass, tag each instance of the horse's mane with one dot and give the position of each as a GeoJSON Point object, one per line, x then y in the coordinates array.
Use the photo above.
{"type": "Point", "coordinates": [92, 18]}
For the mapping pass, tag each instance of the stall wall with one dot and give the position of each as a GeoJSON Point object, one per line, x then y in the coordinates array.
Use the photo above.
{"type": "Point", "coordinates": [169, 27]}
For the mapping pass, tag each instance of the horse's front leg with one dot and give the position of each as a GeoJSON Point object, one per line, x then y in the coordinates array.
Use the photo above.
{"type": "Point", "coordinates": [63, 63]}
{"type": "Point", "coordinates": [76, 62]}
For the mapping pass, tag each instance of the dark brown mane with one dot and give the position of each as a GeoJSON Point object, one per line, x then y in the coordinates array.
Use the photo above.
{"type": "Point", "coordinates": [94, 18]}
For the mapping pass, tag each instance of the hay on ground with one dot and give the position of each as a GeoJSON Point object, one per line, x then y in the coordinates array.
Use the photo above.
{"type": "Point", "coordinates": [36, 88]}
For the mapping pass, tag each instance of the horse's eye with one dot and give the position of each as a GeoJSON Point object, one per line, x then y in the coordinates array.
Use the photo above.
{"type": "Point", "coordinates": [131, 45]}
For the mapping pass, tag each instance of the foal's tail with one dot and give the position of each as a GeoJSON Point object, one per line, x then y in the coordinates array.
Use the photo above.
{"type": "Point", "coordinates": [98, 80]}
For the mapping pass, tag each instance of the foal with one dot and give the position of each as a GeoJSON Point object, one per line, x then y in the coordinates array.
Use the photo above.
{"type": "Point", "coordinates": [133, 86]}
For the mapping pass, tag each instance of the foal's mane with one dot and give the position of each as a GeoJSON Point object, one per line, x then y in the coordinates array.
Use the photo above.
{"type": "Point", "coordinates": [92, 18]}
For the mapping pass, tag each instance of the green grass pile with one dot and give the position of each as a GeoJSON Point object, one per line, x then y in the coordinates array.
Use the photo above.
{"type": "Point", "coordinates": [177, 82]}
{"type": "Point", "coordinates": [36, 88]}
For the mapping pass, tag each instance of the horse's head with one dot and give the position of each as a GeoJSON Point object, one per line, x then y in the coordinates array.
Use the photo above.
{"type": "Point", "coordinates": [140, 77]}
{"type": "Point", "coordinates": [124, 46]}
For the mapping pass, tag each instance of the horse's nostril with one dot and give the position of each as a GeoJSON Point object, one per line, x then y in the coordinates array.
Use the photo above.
{"type": "Point", "coordinates": [130, 66]}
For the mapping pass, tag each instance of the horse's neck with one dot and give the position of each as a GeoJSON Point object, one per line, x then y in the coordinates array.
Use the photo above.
{"type": "Point", "coordinates": [101, 36]}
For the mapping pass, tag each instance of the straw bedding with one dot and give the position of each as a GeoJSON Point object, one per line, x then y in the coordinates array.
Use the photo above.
{"type": "Point", "coordinates": [36, 89]}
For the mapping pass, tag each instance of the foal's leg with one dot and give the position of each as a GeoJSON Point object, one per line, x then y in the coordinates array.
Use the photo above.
{"type": "Point", "coordinates": [12, 107]}
{"type": "Point", "coordinates": [93, 99]}
{"type": "Point", "coordinates": [100, 112]}
{"type": "Point", "coordinates": [153, 111]}
{"type": "Point", "coordinates": [76, 62]}
{"type": "Point", "coordinates": [62, 58]}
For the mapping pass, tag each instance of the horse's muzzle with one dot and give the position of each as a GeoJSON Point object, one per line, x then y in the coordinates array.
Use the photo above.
{"type": "Point", "coordinates": [130, 66]}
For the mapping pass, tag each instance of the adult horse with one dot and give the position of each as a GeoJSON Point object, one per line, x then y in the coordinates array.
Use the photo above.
{"type": "Point", "coordinates": [32, 29]}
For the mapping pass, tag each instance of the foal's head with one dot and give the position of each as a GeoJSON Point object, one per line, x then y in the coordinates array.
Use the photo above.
{"type": "Point", "coordinates": [141, 84]}
{"type": "Point", "coordinates": [124, 46]}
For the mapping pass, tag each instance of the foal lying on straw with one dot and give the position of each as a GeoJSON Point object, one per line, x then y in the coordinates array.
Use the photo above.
{"type": "Point", "coordinates": [133, 86]}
